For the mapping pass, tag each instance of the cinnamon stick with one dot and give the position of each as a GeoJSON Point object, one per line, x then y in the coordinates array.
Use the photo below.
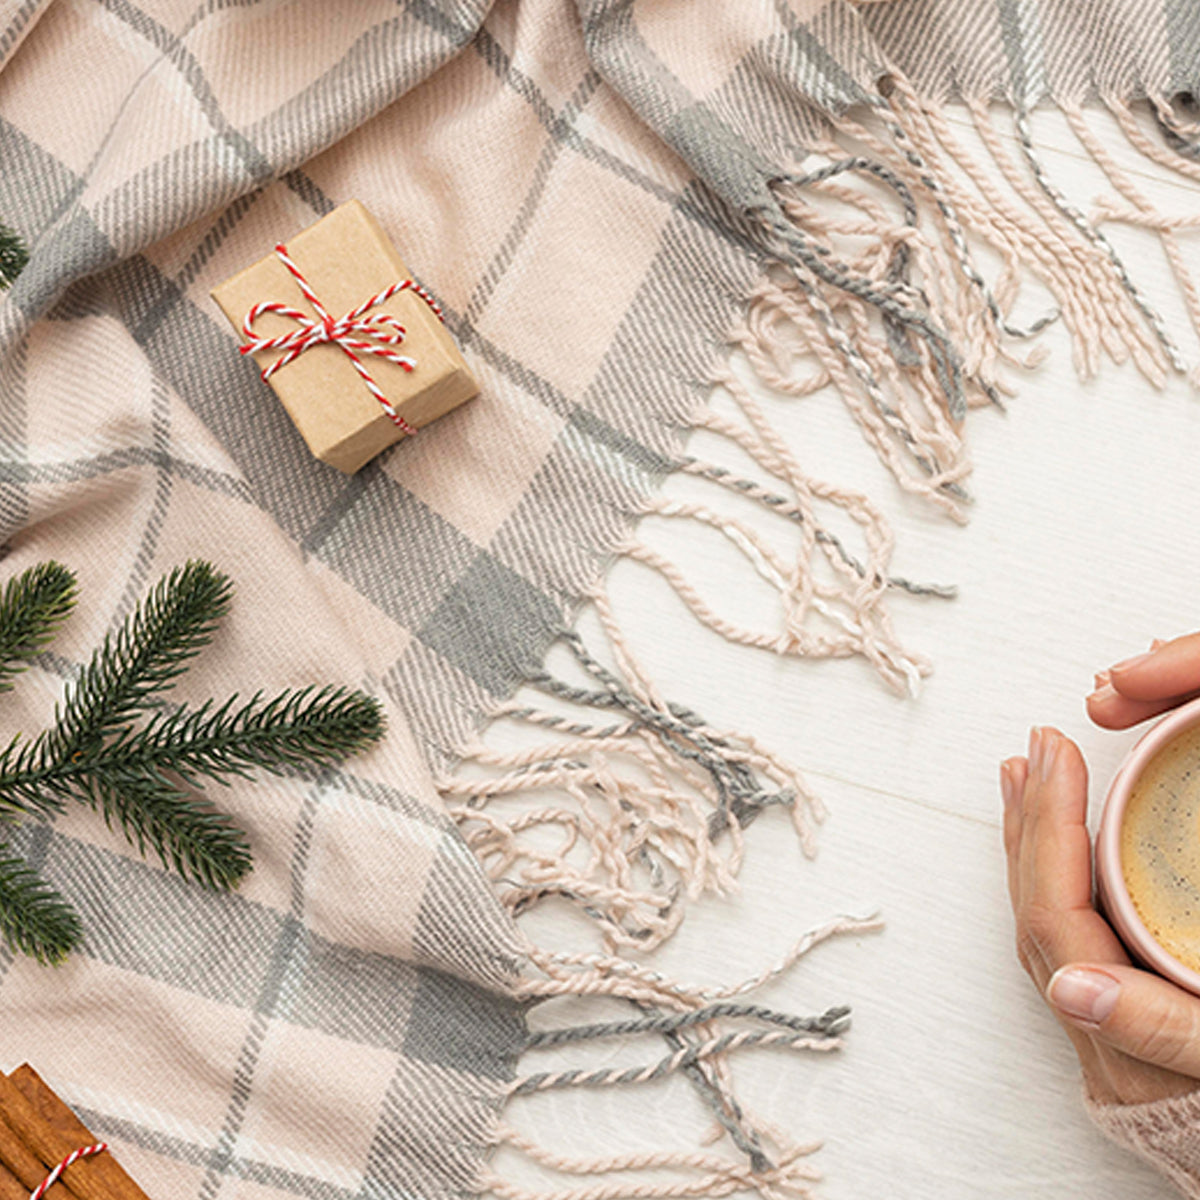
{"type": "Point", "coordinates": [11, 1188]}
{"type": "Point", "coordinates": [97, 1178]}
{"type": "Point", "coordinates": [25, 1166]}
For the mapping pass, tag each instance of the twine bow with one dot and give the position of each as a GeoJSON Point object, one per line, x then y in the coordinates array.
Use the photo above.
{"type": "Point", "coordinates": [354, 334]}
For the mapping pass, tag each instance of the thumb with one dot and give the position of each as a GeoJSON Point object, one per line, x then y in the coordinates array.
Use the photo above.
{"type": "Point", "coordinates": [1133, 1011]}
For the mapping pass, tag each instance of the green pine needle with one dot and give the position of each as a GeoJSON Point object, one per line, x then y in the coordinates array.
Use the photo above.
{"type": "Point", "coordinates": [13, 256]}
{"type": "Point", "coordinates": [32, 606]}
{"type": "Point", "coordinates": [34, 918]}
{"type": "Point", "coordinates": [116, 748]}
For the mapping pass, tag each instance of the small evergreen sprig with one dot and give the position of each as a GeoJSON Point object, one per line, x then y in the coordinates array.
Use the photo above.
{"type": "Point", "coordinates": [32, 606]}
{"type": "Point", "coordinates": [34, 918]}
{"type": "Point", "coordinates": [142, 769]}
{"type": "Point", "coordinates": [13, 256]}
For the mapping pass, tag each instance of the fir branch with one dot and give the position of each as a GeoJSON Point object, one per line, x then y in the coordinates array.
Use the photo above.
{"type": "Point", "coordinates": [34, 918]}
{"type": "Point", "coordinates": [185, 831]}
{"type": "Point", "coordinates": [146, 655]}
{"type": "Point", "coordinates": [126, 778]}
{"type": "Point", "coordinates": [304, 728]}
{"type": "Point", "coordinates": [32, 606]}
{"type": "Point", "coordinates": [13, 256]}
{"type": "Point", "coordinates": [140, 775]}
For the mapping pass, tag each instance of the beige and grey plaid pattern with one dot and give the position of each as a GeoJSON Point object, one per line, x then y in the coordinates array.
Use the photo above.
{"type": "Point", "coordinates": [579, 185]}
{"type": "Point", "coordinates": [343, 1026]}
{"type": "Point", "coordinates": [1031, 51]}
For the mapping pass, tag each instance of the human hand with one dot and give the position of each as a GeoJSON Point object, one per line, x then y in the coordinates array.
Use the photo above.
{"type": "Point", "coordinates": [1148, 684]}
{"type": "Point", "coordinates": [1137, 1036]}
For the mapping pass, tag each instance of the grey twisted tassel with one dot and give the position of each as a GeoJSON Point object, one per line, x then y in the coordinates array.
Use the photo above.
{"type": "Point", "coordinates": [830, 1023]}
{"type": "Point", "coordinates": [741, 796]}
{"type": "Point", "coordinates": [614, 1076]}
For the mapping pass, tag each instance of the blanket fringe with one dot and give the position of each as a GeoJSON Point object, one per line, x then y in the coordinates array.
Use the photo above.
{"type": "Point", "coordinates": [1014, 206]}
{"type": "Point", "coordinates": [834, 603]}
{"type": "Point", "coordinates": [626, 806]}
{"type": "Point", "coordinates": [691, 1018]}
{"type": "Point", "coordinates": [878, 286]}
{"type": "Point", "coordinates": [696, 1174]}
{"type": "Point", "coordinates": [648, 809]}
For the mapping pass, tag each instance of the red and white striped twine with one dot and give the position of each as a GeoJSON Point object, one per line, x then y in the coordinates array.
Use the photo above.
{"type": "Point", "coordinates": [75, 1155]}
{"type": "Point", "coordinates": [355, 332]}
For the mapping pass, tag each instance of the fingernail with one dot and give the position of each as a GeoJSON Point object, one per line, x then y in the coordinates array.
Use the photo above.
{"type": "Point", "coordinates": [1007, 787]}
{"type": "Point", "coordinates": [1049, 754]}
{"type": "Point", "coordinates": [1035, 751]}
{"type": "Point", "coordinates": [1103, 693]}
{"type": "Point", "coordinates": [1083, 995]}
{"type": "Point", "coordinates": [1101, 680]}
{"type": "Point", "coordinates": [1127, 663]}
{"type": "Point", "coordinates": [1157, 644]}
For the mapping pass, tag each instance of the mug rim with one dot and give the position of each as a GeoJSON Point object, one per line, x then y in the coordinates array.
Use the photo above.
{"type": "Point", "coordinates": [1110, 876]}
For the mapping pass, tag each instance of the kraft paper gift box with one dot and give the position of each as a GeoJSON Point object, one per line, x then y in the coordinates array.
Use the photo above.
{"type": "Point", "coordinates": [346, 259]}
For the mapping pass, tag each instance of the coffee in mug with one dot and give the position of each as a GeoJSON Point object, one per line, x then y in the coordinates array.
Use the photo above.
{"type": "Point", "coordinates": [1148, 849]}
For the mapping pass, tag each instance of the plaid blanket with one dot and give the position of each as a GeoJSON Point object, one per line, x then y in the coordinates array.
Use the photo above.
{"type": "Point", "coordinates": [343, 1025]}
{"type": "Point", "coordinates": [591, 192]}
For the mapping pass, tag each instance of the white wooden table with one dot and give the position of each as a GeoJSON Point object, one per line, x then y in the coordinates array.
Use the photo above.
{"type": "Point", "coordinates": [1083, 545]}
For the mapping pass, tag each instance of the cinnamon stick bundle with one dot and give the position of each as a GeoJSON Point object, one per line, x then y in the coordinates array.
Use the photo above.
{"type": "Point", "coordinates": [22, 1164]}
{"type": "Point", "coordinates": [38, 1131]}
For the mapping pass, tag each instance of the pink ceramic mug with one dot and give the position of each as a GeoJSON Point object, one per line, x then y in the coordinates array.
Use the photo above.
{"type": "Point", "coordinates": [1110, 878]}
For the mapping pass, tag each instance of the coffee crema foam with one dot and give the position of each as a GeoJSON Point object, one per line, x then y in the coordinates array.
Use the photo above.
{"type": "Point", "coordinates": [1160, 847]}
